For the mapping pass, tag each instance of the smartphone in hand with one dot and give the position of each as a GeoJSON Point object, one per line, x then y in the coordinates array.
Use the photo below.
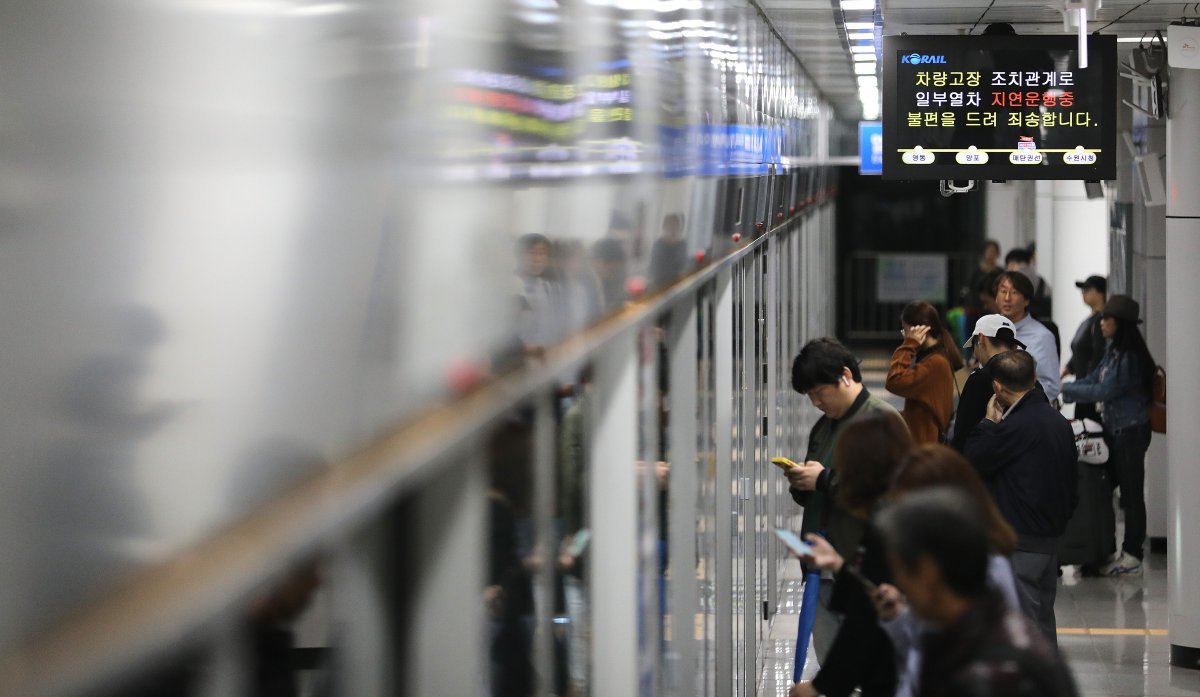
{"type": "Point", "coordinates": [869, 585]}
{"type": "Point", "coordinates": [783, 463]}
{"type": "Point", "coordinates": [794, 544]}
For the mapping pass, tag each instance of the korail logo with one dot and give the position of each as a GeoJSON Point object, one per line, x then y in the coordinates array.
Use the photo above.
{"type": "Point", "coordinates": [915, 58]}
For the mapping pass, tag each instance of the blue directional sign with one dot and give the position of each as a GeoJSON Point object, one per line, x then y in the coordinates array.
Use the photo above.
{"type": "Point", "coordinates": [870, 147]}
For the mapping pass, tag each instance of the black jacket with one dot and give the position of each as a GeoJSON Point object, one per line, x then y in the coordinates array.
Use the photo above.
{"type": "Point", "coordinates": [992, 652]}
{"type": "Point", "coordinates": [1028, 463]}
{"type": "Point", "coordinates": [972, 404]}
{"type": "Point", "coordinates": [1087, 347]}
{"type": "Point", "coordinates": [861, 654]}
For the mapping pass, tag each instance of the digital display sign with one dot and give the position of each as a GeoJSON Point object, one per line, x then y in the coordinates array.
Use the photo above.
{"type": "Point", "coordinates": [998, 107]}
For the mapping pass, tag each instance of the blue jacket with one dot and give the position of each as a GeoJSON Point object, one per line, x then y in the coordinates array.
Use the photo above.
{"type": "Point", "coordinates": [1118, 383]}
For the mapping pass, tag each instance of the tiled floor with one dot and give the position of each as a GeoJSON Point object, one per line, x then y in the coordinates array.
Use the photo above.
{"type": "Point", "coordinates": [1111, 631]}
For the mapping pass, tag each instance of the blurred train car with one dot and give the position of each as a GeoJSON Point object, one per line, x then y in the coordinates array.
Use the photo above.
{"type": "Point", "coordinates": [273, 268]}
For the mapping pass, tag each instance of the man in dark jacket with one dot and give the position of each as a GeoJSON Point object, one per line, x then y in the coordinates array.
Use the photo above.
{"type": "Point", "coordinates": [1087, 346]}
{"type": "Point", "coordinates": [938, 546]}
{"type": "Point", "coordinates": [1025, 451]}
{"type": "Point", "coordinates": [993, 335]}
{"type": "Point", "coordinates": [828, 374]}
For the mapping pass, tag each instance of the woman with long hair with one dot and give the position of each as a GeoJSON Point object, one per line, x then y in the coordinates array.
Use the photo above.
{"type": "Point", "coordinates": [922, 372]}
{"type": "Point", "coordinates": [1123, 382]}
{"type": "Point", "coordinates": [861, 655]}
{"type": "Point", "coordinates": [926, 467]}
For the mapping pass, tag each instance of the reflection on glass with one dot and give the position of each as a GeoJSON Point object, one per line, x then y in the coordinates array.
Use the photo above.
{"type": "Point", "coordinates": [668, 256]}
{"type": "Point", "coordinates": [652, 476]}
{"type": "Point", "coordinates": [706, 528]}
{"type": "Point", "coordinates": [508, 595]}
{"type": "Point", "coordinates": [283, 625]}
{"type": "Point", "coordinates": [280, 647]}
{"type": "Point", "coordinates": [573, 471]}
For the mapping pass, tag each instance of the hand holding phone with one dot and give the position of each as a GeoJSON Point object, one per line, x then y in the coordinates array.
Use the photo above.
{"type": "Point", "coordinates": [868, 585]}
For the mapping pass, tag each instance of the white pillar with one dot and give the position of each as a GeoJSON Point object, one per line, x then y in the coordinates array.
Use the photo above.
{"type": "Point", "coordinates": [1078, 248]}
{"type": "Point", "coordinates": [1183, 334]}
{"type": "Point", "coordinates": [1003, 215]}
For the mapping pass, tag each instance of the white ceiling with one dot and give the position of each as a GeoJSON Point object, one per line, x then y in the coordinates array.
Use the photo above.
{"type": "Point", "coordinates": [813, 28]}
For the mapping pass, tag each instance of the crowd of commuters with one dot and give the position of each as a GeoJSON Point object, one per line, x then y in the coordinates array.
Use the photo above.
{"type": "Point", "coordinates": [563, 285]}
{"type": "Point", "coordinates": [940, 527]}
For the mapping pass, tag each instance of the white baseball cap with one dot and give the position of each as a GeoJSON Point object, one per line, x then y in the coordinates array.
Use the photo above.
{"type": "Point", "coordinates": [989, 325]}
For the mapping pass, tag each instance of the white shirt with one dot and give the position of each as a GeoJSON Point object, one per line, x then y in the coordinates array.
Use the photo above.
{"type": "Point", "coordinates": [1039, 342]}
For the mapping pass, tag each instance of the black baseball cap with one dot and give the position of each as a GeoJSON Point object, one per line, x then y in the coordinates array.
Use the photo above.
{"type": "Point", "coordinates": [1097, 282]}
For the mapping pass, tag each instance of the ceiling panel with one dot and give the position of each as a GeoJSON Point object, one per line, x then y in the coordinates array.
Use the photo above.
{"type": "Point", "coordinates": [813, 29]}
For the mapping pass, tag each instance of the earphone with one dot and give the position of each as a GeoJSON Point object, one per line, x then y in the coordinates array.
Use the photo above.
{"type": "Point", "coordinates": [845, 381]}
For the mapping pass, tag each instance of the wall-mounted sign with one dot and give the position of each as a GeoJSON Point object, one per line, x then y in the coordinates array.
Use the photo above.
{"type": "Point", "coordinates": [870, 147]}
{"type": "Point", "coordinates": [902, 278]}
{"type": "Point", "coordinates": [998, 107]}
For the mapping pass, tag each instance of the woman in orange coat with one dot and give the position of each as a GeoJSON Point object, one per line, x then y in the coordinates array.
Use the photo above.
{"type": "Point", "coordinates": [922, 372]}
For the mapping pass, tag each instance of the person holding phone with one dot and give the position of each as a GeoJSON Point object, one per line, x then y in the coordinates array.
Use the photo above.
{"type": "Point", "coordinates": [861, 655]}
{"type": "Point", "coordinates": [828, 374]}
{"type": "Point", "coordinates": [1024, 450]}
{"type": "Point", "coordinates": [928, 467]}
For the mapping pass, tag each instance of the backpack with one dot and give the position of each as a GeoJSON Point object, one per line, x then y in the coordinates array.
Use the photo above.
{"type": "Point", "coordinates": [1158, 401]}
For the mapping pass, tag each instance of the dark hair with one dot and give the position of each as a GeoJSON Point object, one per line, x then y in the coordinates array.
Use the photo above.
{"type": "Point", "coordinates": [1005, 337]}
{"type": "Point", "coordinates": [527, 241]}
{"type": "Point", "coordinates": [673, 223]}
{"type": "Point", "coordinates": [1020, 282]}
{"type": "Point", "coordinates": [940, 524]}
{"type": "Point", "coordinates": [1128, 339]}
{"type": "Point", "coordinates": [1016, 370]}
{"type": "Point", "coordinates": [821, 362]}
{"type": "Point", "coordinates": [921, 312]}
{"type": "Point", "coordinates": [608, 249]}
{"type": "Point", "coordinates": [1021, 256]}
{"type": "Point", "coordinates": [987, 284]}
{"type": "Point", "coordinates": [868, 449]}
{"type": "Point", "coordinates": [933, 464]}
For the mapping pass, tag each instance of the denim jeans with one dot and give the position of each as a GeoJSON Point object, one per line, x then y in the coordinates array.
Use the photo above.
{"type": "Point", "coordinates": [1127, 463]}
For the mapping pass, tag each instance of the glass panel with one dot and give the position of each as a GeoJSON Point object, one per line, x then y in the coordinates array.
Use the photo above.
{"type": "Point", "coordinates": [508, 595]}
{"type": "Point", "coordinates": [572, 616]}
{"type": "Point", "coordinates": [653, 475]}
{"type": "Point", "coordinates": [706, 540]}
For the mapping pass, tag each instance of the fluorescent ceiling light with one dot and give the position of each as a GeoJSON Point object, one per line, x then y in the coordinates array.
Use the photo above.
{"type": "Point", "coordinates": [851, 26]}
{"type": "Point", "coordinates": [870, 112]}
{"type": "Point", "coordinates": [858, 4]}
{"type": "Point", "coordinates": [868, 81]}
{"type": "Point", "coordinates": [863, 56]}
{"type": "Point", "coordinates": [865, 48]}
{"type": "Point", "coordinates": [864, 68]}
{"type": "Point", "coordinates": [861, 36]}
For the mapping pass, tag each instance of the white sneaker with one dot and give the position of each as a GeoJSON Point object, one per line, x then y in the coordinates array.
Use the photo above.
{"type": "Point", "coordinates": [1124, 565]}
